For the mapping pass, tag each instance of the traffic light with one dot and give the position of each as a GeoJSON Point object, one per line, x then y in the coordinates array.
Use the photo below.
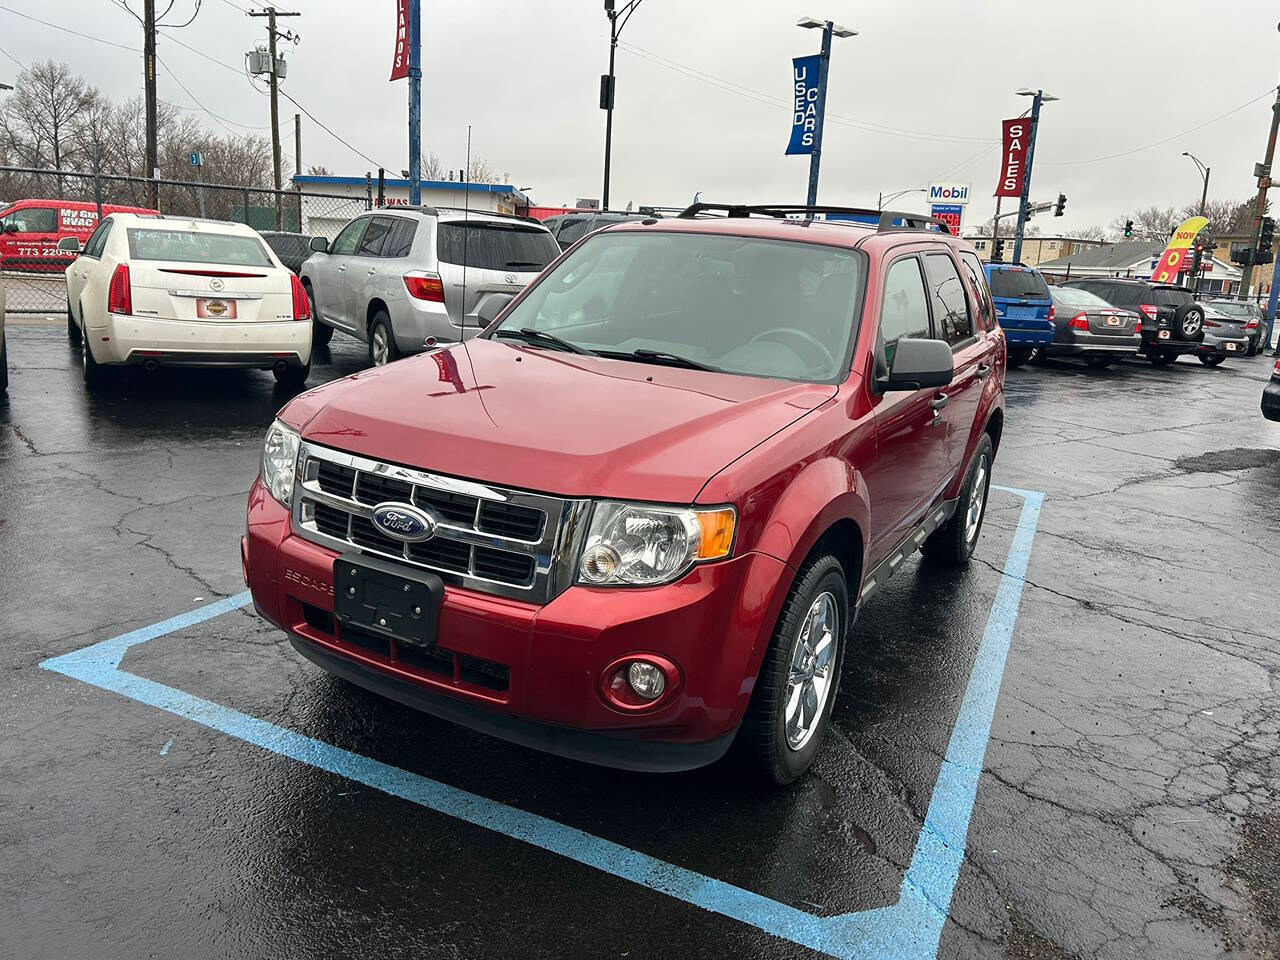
{"type": "Point", "coordinates": [1062, 202]}
{"type": "Point", "coordinates": [1264, 239]}
{"type": "Point", "coordinates": [1128, 229]}
{"type": "Point", "coordinates": [997, 252]}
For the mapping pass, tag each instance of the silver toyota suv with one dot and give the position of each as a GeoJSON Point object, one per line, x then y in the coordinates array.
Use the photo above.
{"type": "Point", "coordinates": [405, 279]}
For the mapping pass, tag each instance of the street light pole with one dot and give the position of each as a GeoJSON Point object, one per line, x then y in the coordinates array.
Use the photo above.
{"type": "Point", "coordinates": [617, 20]}
{"type": "Point", "coordinates": [1040, 98]}
{"type": "Point", "coordinates": [1204, 196]}
{"type": "Point", "coordinates": [894, 196]}
{"type": "Point", "coordinates": [829, 29]}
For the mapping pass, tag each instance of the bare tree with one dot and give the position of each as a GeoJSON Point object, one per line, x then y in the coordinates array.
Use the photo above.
{"type": "Point", "coordinates": [317, 170]}
{"type": "Point", "coordinates": [1095, 232]}
{"type": "Point", "coordinates": [430, 167]}
{"type": "Point", "coordinates": [481, 171]}
{"type": "Point", "coordinates": [39, 119]}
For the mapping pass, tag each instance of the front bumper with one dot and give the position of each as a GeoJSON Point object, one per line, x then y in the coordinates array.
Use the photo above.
{"type": "Point", "coordinates": [714, 624]}
{"type": "Point", "coordinates": [132, 339]}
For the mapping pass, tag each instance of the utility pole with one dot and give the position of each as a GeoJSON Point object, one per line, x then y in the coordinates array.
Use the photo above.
{"type": "Point", "coordinates": [617, 20]}
{"type": "Point", "coordinates": [1039, 98]}
{"type": "Point", "coordinates": [297, 164]}
{"type": "Point", "coordinates": [149, 86]}
{"type": "Point", "coordinates": [271, 13]}
{"type": "Point", "coordinates": [1263, 172]}
{"type": "Point", "coordinates": [415, 102]}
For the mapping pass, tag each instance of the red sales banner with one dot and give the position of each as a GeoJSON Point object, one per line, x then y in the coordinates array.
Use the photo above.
{"type": "Point", "coordinates": [400, 63]}
{"type": "Point", "coordinates": [1013, 164]}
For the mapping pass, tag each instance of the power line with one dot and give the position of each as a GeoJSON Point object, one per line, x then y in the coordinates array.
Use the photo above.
{"type": "Point", "coordinates": [219, 120]}
{"type": "Point", "coordinates": [46, 23]}
{"type": "Point", "coordinates": [13, 58]}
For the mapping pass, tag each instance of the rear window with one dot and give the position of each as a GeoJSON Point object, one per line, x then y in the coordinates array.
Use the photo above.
{"type": "Point", "coordinates": [1072, 296]}
{"type": "Point", "coordinates": [197, 247]}
{"type": "Point", "coordinates": [1019, 285]}
{"type": "Point", "coordinates": [1232, 308]}
{"type": "Point", "coordinates": [1171, 298]}
{"type": "Point", "coordinates": [495, 246]}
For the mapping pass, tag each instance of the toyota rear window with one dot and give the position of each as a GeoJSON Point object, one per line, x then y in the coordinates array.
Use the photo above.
{"type": "Point", "coordinates": [1171, 298]}
{"type": "Point", "coordinates": [1018, 285]}
{"type": "Point", "coordinates": [190, 246]}
{"type": "Point", "coordinates": [496, 246]}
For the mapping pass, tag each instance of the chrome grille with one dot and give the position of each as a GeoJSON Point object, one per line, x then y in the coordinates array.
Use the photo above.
{"type": "Point", "coordinates": [492, 539]}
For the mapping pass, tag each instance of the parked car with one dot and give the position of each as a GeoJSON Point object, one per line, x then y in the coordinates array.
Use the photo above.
{"type": "Point", "coordinates": [30, 231]}
{"type": "Point", "coordinates": [1271, 395]}
{"type": "Point", "coordinates": [1225, 336]}
{"type": "Point", "coordinates": [569, 228]}
{"type": "Point", "coordinates": [633, 528]}
{"type": "Point", "coordinates": [156, 292]}
{"type": "Point", "coordinates": [1088, 327]}
{"type": "Point", "coordinates": [291, 249]}
{"type": "Point", "coordinates": [1024, 307]}
{"type": "Point", "coordinates": [1255, 320]}
{"type": "Point", "coordinates": [1173, 322]}
{"type": "Point", "coordinates": [413, 278]}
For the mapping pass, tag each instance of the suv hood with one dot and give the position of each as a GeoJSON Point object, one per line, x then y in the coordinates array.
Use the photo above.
{"type": "Point", "coordinates": [554, 422]}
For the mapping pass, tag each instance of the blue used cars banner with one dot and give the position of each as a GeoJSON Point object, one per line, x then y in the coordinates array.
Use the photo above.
{"type": "Point", "coordinates": [804, 122]}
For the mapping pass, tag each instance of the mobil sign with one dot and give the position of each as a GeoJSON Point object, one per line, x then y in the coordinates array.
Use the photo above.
{"type": "Point", "coordinates": [949, 193]}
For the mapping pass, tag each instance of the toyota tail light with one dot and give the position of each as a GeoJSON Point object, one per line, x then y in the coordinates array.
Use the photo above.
{"type": "Point", "coordinates": [301, 305]}
{"type": "Point", "coordinates": [1150, 310]}
{"type": "Point", "coordinates": [120, 294]}
{"type": "Point", "coordinates": [424, 286]}
{"type": "Point", "coordinates": [1079, 322]}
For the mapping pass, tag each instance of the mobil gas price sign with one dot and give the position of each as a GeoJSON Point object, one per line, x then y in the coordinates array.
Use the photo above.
{"type": "Point", "coordinates": [952, 194]}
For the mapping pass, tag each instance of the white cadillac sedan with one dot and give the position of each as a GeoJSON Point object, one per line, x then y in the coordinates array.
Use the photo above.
{"type": "Point", "coordinates": [153, 291]}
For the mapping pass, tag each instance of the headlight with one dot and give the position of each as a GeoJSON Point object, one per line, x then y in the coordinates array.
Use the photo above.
{"type": "Point", "coordinates": [641, 545]}
{"type": "Point", "coordinates": [280, 461]}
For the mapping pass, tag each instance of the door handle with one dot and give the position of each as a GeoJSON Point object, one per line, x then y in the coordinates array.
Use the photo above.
{"type": "Point", "coordinates": [342, 268]}
{"type": "Point", "coordinates": [984, 371]}
{"type": "Point", "coordinates": [372, 271]}
{"type": "Point", "coordinates": [938, 402]}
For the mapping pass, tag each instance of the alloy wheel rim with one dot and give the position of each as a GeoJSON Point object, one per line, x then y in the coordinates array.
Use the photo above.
{"type": "Point", "coordinates": [379, 347]}
{"type": "Point", "coordinates": [812, 670]}
{"type": "Point", "coordinates": [977, 496]}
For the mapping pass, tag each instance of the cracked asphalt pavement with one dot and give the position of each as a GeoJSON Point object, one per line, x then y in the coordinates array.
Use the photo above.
{"type": "Point", "coordinates": [1127, 807]}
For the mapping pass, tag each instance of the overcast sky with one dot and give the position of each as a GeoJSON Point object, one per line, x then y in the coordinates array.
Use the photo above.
{"type": "Point", "coordinates": [703, 87]}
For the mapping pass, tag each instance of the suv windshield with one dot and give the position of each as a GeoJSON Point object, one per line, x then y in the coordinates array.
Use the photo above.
{"type": "Point", "coordinates": [764, 308]}
{"type": "Point", "coordinates": [1018, 285]}
{"type": "Point", "coordinates": [496, 246]}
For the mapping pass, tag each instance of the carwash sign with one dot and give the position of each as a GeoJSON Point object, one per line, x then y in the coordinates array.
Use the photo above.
{"type": "Point", "coordinates": [949, 193]}
{"type": "Point", "coordinates": [804, 121]}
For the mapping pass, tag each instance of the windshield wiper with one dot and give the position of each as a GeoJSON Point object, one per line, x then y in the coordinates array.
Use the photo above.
{"type": "Point", "coordinates": [530, 335]}
{"type": "Point", "coordinates": [644, 355]}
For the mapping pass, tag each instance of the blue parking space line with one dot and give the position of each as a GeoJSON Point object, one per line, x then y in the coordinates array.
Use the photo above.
{"type": "Point", "coordinates": [908, 930]}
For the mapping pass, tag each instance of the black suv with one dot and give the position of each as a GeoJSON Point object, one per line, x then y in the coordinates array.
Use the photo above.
{"type": "Point", "coordinates": [1172, 321]}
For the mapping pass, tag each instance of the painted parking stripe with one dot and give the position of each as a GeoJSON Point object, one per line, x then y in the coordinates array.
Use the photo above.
{"type": "Point", "coordinates": [908, 930]}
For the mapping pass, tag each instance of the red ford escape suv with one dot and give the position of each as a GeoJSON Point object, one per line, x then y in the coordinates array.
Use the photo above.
{"type": "Point", "coordinates": [633, 520]}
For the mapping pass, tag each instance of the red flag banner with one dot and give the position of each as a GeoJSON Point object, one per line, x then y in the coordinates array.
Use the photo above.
{"type": "Point", "coordinates": [1013, 163]}
{"type": "Point", "coordinates": [400, 63]}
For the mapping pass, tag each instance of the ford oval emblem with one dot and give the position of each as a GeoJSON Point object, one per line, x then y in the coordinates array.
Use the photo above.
{"type": "Point", "coordinates": [404, 522]}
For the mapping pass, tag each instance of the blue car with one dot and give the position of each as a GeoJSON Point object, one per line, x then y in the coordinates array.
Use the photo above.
{"type": "Point", "coordinates": [1023, 306]}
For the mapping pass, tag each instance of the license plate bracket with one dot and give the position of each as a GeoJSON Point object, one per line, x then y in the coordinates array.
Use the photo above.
{"type": "Point", "coordinates": [387, 598]}
{"type": "Point", "coordinates": [1163, 335]}
{"type": "Point", "coordinates": [215, 309]}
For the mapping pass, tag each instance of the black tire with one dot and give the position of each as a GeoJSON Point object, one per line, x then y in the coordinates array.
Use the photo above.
{"type": "Point", "coordinates": [293, 377]}
{"type": "Point", "coordinates": [1018, 356]}
{"type": "Point", "coordinates": [763, 741]}
{"type": "Point", "coordinates": [1188, 323]}
{"type": "Point", "coordinates": [321, 332]}
{"type": "Point", "coordinates": [94, 373]}
{"type": "Point", "coordinates": [1161, 358]}
{"type": "Point", "coordinates": [1211, 359]}
{"type": "Point", "coordinates": [1099, 363]}
{"type": "Point", "coordinates": [382, 346]}
{"type": "Point", "coordinates": [954, 541]}
{"type": "Point", "coordinates": [73, 328]}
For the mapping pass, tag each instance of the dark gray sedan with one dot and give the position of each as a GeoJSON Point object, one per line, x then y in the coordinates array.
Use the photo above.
{"type": "Point", "coordinates": [1087, 326]}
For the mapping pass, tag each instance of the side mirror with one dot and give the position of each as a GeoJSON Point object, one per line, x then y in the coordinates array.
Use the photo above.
{"type": "Point", "coordinates": [919, 364]}
{"type": "Point", "coordinates": [319, 244]}
{"type": "Point", "coordinates": [69, 244]}
{"type": "Point", "coordinates": [492, 305]}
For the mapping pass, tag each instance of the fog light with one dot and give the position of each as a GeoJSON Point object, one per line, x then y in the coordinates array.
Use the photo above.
{"type": "Point", "coordinates": [599, 563]}
{"type": "Point", "coordinates": [646, 679]}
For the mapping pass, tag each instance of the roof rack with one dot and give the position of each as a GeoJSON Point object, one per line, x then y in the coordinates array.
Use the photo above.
{"type": "Point", "coordinates": [887, 220]}
{"type": "Point", "coordinates": [435, 211]}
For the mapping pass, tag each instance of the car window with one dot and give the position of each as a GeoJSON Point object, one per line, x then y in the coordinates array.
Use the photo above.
{"type": "Point", "coordinates": [400, 241]}
{"type": "Point", "coordinates": [346, 242]}
{"type": "Point", "coordinates": [489, 245]}
{"type": "Point", "coordinates": [904, 310]}
{"type": "Point", "coordinates": [573, 229]}
{"type": "Point", "coordinates": [97, 240]}
{"type": "Point", "coordinates": [734, 303]}
{"type": "Point", "coordinates": [374, 235]}
{"type": "Point", "coordinates": [1166, 297]}
{"type": "Point", "coordinates": [1232, 308]}
{"type": "Point", "coordinates": [192, 246]}
{"type": "Point", "coordinates": [31, 220]}
{"type": "Point", "coordinates": [1122, 294]}
{"type": "Point", "coordinates": [979, 278]}
{"type": "Point", "coordinates": [1016, 284]}
{"type": "Point", "coordinates": [950, 305]}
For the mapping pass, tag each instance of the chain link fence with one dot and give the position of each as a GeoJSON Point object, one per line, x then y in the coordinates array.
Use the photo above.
{"type": "Point", "coordinates": [32, 267]}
